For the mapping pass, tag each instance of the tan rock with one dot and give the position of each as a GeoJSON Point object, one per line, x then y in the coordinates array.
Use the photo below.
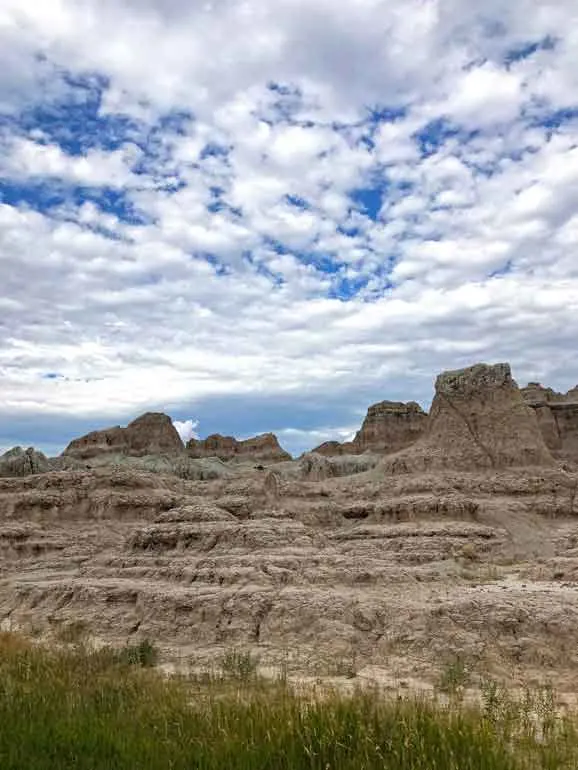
{"type": "Point", "coordinates": [263, 448]}
{"type": "Point", "coordinates": [388, 427]}
{"type": "Point", "coordinates": [478, 420]}
{"type": "Point", "coordinates": [150, 434]}
{"type": "Point", "coordinates": [335, 449]}
{"type": "Point", "coordinates": [86, 495]}
{"type": "Point", "coordinates": [394, 571]}
{"type": "Point", "coordinates": [557, 415]}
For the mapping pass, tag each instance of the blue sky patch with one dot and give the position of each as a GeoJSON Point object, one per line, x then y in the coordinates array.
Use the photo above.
{"type": "Point", "coordinates": [76, 123]}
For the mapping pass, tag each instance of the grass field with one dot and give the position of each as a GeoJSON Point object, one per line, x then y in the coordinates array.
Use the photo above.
{"type": "Point", "coordinates": [105, 710]}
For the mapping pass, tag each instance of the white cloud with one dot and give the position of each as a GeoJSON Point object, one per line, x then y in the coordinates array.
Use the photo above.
{"type": "Point", "coordinates": [187, 429]}
{"type": "Point", "coordinates": [257, 266]}
{"type": "Point", "coordinates": [485, 94]}
{"type": "Point", "coordinates": [28, 159]}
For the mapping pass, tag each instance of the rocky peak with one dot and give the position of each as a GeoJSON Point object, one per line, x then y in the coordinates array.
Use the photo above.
{"type": "Point", "coordinates": [478, 420]}
{"type": "Point", "coordinates": [388, 427]}
{"type": "Point", "coordinates": [534, 394]}
{"type": "Point", "coordinates": [151, 433]}
{"type": "Point", "coordinates": [474, 381]}
{"type": "Point", "coordinates": [154, 433]}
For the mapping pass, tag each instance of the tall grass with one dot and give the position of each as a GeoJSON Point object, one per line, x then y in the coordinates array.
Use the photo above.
{"type": "Point", "coordinates": [99, 711]}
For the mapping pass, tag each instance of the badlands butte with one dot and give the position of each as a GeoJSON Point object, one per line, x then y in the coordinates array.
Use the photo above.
{"type": "Point", "coordinates": [425, 538]}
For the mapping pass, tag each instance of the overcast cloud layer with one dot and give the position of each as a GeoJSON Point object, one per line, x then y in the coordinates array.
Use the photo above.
{"type": "Point", "coordinates": [265, 216]}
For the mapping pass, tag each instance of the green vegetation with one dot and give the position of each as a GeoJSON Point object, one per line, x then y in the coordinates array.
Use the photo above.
{"type": "Point", "coordinates": [105, 710]}
{"type": "Point", "coordinates": [454, 677]}
{"type": "Point", "coordinates": [239, 665]}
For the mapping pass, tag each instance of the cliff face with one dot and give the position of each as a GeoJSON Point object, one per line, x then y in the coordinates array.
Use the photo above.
{"type": "Point", "coordinates": [557, 415]}
{"type": "Point", "coordinates": [388, 427]}
{"type": "Point", "coordinates": [478, 420]}
{"type": "Point", "coordinates": [151, 433]}
{"type": "Point", "coordinates": [263, 448]}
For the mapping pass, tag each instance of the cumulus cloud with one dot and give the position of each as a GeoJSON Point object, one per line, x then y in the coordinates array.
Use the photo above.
{"type": "Point", "coordinates": [343, 200]}
{"type": "Point", "coordinates": [187, 429]}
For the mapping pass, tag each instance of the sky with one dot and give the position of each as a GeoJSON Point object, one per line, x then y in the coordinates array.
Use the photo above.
{"type": "Point", "coordinates": [262, 216]}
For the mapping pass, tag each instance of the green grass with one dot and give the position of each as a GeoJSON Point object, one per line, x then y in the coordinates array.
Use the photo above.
{"type": "Point", "coordinates": [104, 710]}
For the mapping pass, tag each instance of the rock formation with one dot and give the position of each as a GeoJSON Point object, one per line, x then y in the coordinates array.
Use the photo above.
{"type": "Point", "coordinates": [478, 420]}
{"type": "Point", "coordinates": [316, 467]}
{"type": "Point", "coordinates": [335, 449]}
{"type": "Point", "coordinates": [23, 462]}
{"type": "Point", "coordinates": [557, 415]}
{"type": "Point", "coordinates": [399, 572]}
{"type": "Point", "coordinates": [456, 550]}
{"type": "Point", "coordinates": [263, 448]}
{"type": "Point", "coordinates": [150, 434]}
{"type": "Point", "coordinates": [388, 427]}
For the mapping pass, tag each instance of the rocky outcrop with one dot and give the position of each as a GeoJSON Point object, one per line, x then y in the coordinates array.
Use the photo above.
{"type": "Point", "coordinates": [315, 467]}
{"type": "Point", "coordinates": [388, 427]}
{"type": "Point", "coordinates": [335, 449]}
{"type": "Point", "coordinates": [88, 495]}
{"type": "Point", "coordinates": [263, 448]}
{"type": "Point", "coordinates": [152, 433]}
{"type": "Point", "coordinates": [557, 415]}
{"type": "Point", "coordinates": [23, 462]}
{"type": "Point", "coordinates": [478, 420]}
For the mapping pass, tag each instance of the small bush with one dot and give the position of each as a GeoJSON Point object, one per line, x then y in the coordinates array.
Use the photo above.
{"type": "Point", "coordinates": [239, 665]}
{"type": "Point", "coordinates": [454, 677]}
{"type": "Point", "coordinates": [143, 654]}
{"type": "Point", "coordinates": [72, 633]}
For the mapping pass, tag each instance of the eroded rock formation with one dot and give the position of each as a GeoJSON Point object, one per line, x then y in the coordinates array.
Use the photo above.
{"type": "Point", "coordinates": [388, 427]}
{"type": "Point", "coordinates": [152, 433]}
{"type": "Point", "coordinates": [400, 570]}
{"type": "Point", "coordinates": [478, 420]}
{"type": "Point", "coordinates": [557, 415]}
{"type": "Point", "coordinates": [263, 448]}
{"type": "Point", "coordinates": [23, 462]}
{"type": "Point", "coordinates": [329, 558]}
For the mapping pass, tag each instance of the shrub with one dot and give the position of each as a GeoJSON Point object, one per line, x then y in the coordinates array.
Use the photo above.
{"type": "Point", "coordinates": [142, 654]}
{"type": "Point", "coordinates": [239, 665]}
